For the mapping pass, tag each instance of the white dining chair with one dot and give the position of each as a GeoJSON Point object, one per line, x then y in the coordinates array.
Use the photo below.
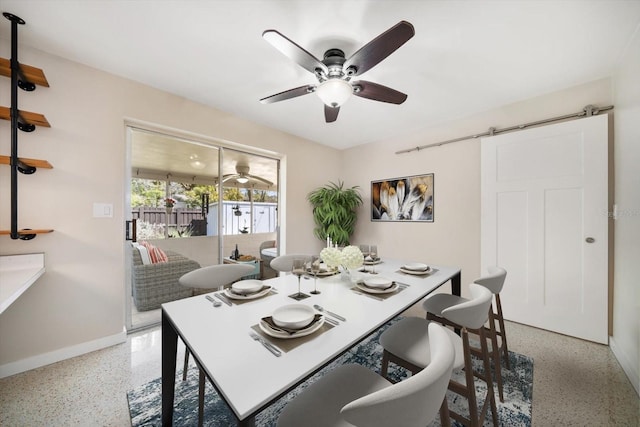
{"type": "Point", "coordinates": [406, 341]}
{"type": "Point", "coordinates": [352, 395]}
{"type": "Point", "coordinates": [212, 277]}
{"type": "Point", "coordinates": [494, 281]}
{"type": "Point", "coordinates": [284, 263]}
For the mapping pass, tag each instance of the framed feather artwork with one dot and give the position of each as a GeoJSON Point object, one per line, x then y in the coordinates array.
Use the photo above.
{"type": "Point", "coordinates": [403, 199]}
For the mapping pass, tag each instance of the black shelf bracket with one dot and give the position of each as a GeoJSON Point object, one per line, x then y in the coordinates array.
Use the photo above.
{"type": "Point", "coordinates": [26, 127]}
{"type": "Point", "coordinates": [26, 236]}
{"type": "Point", "coordinates": [25, 168]}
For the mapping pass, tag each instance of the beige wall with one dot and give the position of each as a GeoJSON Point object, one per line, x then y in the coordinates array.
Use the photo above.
{"type": "Point", "coordinates": [454, 236]}
{"type": "Point", "coordinates": [78, 305]}
{"type": "Point", "coordinates": [625, 341]}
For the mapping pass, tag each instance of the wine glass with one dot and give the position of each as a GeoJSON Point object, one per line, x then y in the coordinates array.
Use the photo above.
{"type": "Point", "coordinates": [315, 269]}
{"type": "Point", "coordinates": [365, 253]}
{"type": "Point", "coordinates": [298, 270]}
{"type": "Point", "coordinates": [373, 254]}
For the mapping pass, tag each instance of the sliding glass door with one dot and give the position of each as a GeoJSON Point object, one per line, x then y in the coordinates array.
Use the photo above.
{"type": "Point", "coordinates": [193, 200]}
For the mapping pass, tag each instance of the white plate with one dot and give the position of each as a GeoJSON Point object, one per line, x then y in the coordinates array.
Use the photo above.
{"type": "Point", "coordinates": [377, 282]}
{"type": "Point", "coordinates": [324, 273]}
{"type": "Point", "coordinates": [247, 286]}
{"type": "Point", "coordinates": [416, 266]}
{"type": "Point", "coordinates": [416, 273]}
{"type": "Point", "coordinates": [369, 290]}
{"type": "Point", "coordinates": [293, 316]}
{"type": "Point", "coordinates": [259, 294]}
{"type": "Point", "coordinates": [264, 326]}
{"type": "Point", "coordinates": [373, 262]}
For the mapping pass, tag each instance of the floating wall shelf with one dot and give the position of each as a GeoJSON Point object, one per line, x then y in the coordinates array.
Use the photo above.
{"type": "Point", "coordinates": [26, 78]}
{"type": "Point", "coordinates": [27, 73]}
{"type": "Point", "coordinates": [25, 117]}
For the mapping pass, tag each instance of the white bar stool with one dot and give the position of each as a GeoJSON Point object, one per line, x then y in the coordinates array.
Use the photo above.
{"type": "Point", "coordinates": [405, 344]}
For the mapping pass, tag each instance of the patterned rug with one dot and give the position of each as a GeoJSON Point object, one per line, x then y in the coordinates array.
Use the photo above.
{"type": "Point", "coordinates": [145, 401]}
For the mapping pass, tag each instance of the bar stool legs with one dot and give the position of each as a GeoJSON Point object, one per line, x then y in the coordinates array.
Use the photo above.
{"type": "Point", "coordinates": [503, 335]}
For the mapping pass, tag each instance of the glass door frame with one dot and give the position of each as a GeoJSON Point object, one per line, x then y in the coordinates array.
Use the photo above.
{"type": "Point", "coordinates": [221, 146]}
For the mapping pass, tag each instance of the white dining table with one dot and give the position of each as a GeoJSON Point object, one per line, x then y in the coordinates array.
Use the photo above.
{"type": "Point", "coordinates": [246, 375]}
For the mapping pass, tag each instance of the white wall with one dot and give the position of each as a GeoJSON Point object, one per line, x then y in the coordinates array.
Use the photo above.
{"type": "Point", "coordinates": [78, 305]}
{"type": "Point", "coordinates": [625, 341]}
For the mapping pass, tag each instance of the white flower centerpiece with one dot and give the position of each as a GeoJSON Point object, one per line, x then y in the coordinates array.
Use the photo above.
{"type": "Point", "coordinates": [349, 258]}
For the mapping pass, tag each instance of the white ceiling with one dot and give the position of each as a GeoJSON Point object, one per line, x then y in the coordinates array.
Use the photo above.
{"type": "Point", "coordinates": [466, 56]}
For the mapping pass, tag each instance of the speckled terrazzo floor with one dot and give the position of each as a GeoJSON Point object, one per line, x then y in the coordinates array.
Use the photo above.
{"type": "Point", "coordinates": [576, 383]}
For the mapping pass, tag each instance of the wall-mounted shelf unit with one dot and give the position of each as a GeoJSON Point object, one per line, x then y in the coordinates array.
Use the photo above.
{"type": "Point", "coordinates": [26, 78]}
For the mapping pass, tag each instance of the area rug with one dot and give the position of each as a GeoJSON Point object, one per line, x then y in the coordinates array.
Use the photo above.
{"type": "Point", "coordinates": [145, 401]}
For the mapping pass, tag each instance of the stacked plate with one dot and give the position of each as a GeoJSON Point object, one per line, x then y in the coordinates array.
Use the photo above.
{"type": "Point", "coordinates": [324, 270]}
{"type": "Point", "coordinates": [377, 285]}
{"type": "Point", "coordinates": [292, 321]}
{"type": "Point", "coordinates": [247, 289]}
{"type": "Point", "coordinates": [416, 268]}
{"type": "Point", "coordinates": [372, 261]}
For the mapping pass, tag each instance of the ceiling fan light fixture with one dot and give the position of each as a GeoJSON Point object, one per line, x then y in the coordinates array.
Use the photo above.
{"type": "Point", "coordinates": [334, 92]}
{"type": "Point", "coordinates": [195, 162]}
{"type": "Point", "coordinates": [242, 179]}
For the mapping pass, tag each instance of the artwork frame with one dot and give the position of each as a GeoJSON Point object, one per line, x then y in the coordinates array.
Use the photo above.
{"type": "Point", "coordinates": [413, 202]}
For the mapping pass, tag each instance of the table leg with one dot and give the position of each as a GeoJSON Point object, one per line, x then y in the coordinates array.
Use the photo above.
{"type": "Point", "coordinates": [456, 288]}
{"type": "Point", "coordinates": [249, 422]}
{"type": "Point", "coordinates": [169, 353]}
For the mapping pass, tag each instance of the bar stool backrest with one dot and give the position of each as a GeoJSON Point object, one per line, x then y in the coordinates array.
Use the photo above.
{"type": "Point", "coordinates": [494, 281]}
{"type": "Point", "coordinates": [473, 313]}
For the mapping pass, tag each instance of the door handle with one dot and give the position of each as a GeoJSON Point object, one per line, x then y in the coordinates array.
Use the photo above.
{"type": "Point", "coordinates": [133, 236]}
{"type": "Point", "coordinates": [589, 240]}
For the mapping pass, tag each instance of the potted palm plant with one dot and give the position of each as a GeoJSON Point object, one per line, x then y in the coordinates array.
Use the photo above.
{"type": "Point", "coordinates": [334, 211]}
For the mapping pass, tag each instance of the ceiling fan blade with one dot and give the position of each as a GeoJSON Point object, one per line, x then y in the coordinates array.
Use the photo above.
{"type": "Point", "coordinates": [331, 113]}
{"type": "Point", "coordinates": [226, 178]}
{"type": "Point", "coordinates": [257, 178]}
{"type": "Point", "coordinates": [294, 51]}
{"type": "Point", "coordinates": [288, 94]}
{"type": "Point", "coordinates": [379, 48]}
{"type": "Point", "coordinates": [377, 92]}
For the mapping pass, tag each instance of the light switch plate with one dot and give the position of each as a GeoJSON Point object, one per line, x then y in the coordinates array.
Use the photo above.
{"type": "Point", "coordinates": [103, 210]}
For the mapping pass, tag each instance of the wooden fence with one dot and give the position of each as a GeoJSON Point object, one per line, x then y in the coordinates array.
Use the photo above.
{"type": "Point", "coordinates": [180, 217]}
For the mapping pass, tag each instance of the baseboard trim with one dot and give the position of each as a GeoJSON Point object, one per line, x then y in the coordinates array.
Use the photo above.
{"type": "Point", "coordinates": [44, 359]}
{"type": "Point", "coordinates": [627, 366]}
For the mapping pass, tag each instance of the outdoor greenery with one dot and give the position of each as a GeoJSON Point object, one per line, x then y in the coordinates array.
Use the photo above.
{"type": "Point", "coordinates": [335, 211]}
{"type": "Point", "coordinates": [151, 193]}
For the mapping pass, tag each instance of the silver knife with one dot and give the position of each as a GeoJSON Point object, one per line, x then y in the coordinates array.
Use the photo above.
{"type": "Point", "coordinates": [337, 316]}
{"type": "Point", "coordinates": [223, 299]}
{"type": "Point", "coordinates": [331, 321]}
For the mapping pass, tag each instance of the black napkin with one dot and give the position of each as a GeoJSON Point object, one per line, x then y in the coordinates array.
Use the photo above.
{"type": "Point", "coordinates": [250, 293]}
{"type": "Point", "coordinates": [269, 321]}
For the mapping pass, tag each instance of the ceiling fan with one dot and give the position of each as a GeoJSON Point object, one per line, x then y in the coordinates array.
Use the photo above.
{"type": "Point", "coordinates": [334, 72]}
{"type": "Point", "coordinates": [243, 176]}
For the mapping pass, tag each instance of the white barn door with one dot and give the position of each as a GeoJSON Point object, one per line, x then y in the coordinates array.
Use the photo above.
{"type": "Point", "coordinates": [544, 219]}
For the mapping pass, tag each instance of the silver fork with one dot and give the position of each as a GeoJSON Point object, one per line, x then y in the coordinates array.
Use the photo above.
{"type": "Point", "coordinates": [273, 349]}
